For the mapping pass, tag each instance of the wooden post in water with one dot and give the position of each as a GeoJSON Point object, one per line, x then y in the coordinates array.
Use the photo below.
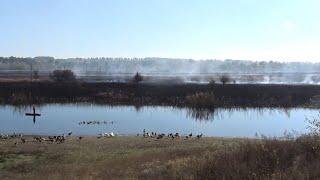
{"type": "Point", "coordinates": [34, 114]}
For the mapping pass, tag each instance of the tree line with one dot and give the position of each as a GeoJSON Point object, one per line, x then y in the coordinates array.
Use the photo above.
{"type": "Point", "coordinates": [154, 65]}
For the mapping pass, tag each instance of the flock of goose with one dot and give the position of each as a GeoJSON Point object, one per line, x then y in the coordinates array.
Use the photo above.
{"type": "Point", "coordinates": [8, 136]}
{"type": "Point", "coordinates": [111, 134]}
{"type": "Point", "coordinates": [40, 139]}
{"type": "Point", "coordinates": [51, 139]}
{"type": "Point", "coordinates": [169, 135]}
{"type": "Point", "coordinates": [95, 122]}
{"type": "Point", "coordinates": [62, 138]}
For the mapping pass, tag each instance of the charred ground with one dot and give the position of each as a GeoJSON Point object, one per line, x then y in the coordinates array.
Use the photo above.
{"type": "Point", "coordinates": [202, 95]}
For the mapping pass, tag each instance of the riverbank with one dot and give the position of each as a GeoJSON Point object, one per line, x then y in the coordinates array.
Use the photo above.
{"type": "Point", "coordinates": [191, 95]}
{"type": "Point", "coordinates": [146, 158]}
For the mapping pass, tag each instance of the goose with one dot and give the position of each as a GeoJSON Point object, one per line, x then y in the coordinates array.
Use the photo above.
{"type": "Point", "coordinates": [199, 136]}
{"type": "Point", "coordinates": [148, 134]}
{"type": "Point", "coordinates": [13, 135]}
{"type": "Point", "coordinates": [111, 134]}
{"type": "Point", "coordinates": [59, 139]}
{"type": "Point", "coordinates": [4, 136]}
{"type": "Point", "coordinates": [40, 139]}
{"type": "Point", "coordinates": [62, 139]}
{"type": "Point", "coordinates": [160, 136]}
{"type": "Point", "coordinates": [51, 138]}
{"type": "Point", "coordinates": [35, 138]}
{"type": "Point", "coordinates": [176, 135]}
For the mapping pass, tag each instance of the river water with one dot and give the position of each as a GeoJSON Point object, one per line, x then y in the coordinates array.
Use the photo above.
{"type": "Point", "coordinates": [88, 119]}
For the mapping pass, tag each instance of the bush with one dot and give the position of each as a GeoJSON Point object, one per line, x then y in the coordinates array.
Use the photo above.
{"type": "Point", "coordinates": [314, 125]}
{"type": "Point", "coordinates": [63, 76]}
{"type": "Point", "coordinates": [201, 99]}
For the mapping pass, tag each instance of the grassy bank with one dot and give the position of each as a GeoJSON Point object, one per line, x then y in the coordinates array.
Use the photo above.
{"type": "Point", "coordinates": [144, 158]}
{"type": "Point", "coordinates": [196, 95]}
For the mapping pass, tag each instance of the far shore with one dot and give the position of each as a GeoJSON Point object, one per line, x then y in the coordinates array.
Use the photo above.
{"type": "Point", "coordinates": [141, 94]}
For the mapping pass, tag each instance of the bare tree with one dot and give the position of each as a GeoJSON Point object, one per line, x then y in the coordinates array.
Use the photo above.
{"type": "Point", "coordinates": [224, 79]}
{"type": "Point", "coordinates": [35, 74]}
{"type": "Point", "coordinates": [137, 78]}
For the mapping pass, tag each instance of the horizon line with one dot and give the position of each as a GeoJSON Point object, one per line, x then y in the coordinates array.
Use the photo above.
{"type": "Point", "coordinates": [159, 57]}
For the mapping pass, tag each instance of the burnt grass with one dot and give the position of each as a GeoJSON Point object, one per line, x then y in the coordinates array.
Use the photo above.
{"type": "Point", "coordinates": [229, 95]}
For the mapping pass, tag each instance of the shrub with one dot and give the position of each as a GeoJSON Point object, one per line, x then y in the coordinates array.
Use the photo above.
{"type": "Point", "coordinates": [314, 125]}
{"type": "Point", "coordinates": [63, 76]}
{"type": "Point", "coordinates": [201, 99]}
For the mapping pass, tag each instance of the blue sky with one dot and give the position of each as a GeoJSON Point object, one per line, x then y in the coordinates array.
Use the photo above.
{"type": "Point", "coordinates": [283, 30]}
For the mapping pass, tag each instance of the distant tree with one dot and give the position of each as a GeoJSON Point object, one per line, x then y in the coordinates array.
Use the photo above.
{"type": "Point", "coordinates": [63, 76]}
{"type": "Point", "coordinates": [224, 79]}
{"type": "Point", "coordinates": [137, 78]}
{"type": "Point", "coordinates": [212, 82]}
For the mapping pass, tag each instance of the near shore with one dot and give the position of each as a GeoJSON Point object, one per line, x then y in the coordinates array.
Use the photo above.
{"type": "Point", "coordinates": [149, 158]}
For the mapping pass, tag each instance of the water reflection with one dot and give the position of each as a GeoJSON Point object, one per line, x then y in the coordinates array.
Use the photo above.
{"type": "Point", "coordinates": [210, 114]}
{"type": "Point", "coordinates": [27, 110]}
{"type": "Point", "coordinates": [201, 114]}
{"type": "Point", "coordinates": [198, 114]}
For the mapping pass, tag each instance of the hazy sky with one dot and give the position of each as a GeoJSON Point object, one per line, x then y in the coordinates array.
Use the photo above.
{"type": "Point", "coordinates": [285, 30]}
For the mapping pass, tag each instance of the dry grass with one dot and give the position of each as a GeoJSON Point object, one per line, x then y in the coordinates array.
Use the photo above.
{"type": "Point", "coordinates": [143, 158]}
{"type": "Point", "coordinates": [265, 159]}
{"type": "Point", "coordinates": [91, 158]}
